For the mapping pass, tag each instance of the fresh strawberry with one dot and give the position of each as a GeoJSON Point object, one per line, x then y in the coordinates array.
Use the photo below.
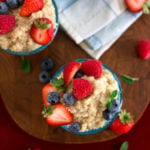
{"type": "Point", "coordinates": [70, 70]}
{"type": "Point", "coordinates": [42, 31]}
{"type": "Point", "coordinates": [7, 23]}
{"type": "Point", "coordinates": [123, 123]}
{"type": "Point", "coordinates": [136, 5]}
{"type": "Point", "coordinates": [144, 49]}
{"type": "Point", "coordinates": [45, 91]}
{"type": "Point", "coordinates": [57, 115]}
{"type": "Point", "coordinates": [81, 88]}
{"type": "Point", "coordinates": [92, 68]}
{"type": "Point", "coordinates": [31, 6]}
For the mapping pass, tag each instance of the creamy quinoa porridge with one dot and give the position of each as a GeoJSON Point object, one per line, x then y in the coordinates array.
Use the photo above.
{"type": "Point", "coordinates": [89, 111]}
{"type": "Point", "coordinates": [19, 39]}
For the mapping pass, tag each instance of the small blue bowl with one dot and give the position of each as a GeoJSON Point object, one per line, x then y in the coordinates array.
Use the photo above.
{"type": "Point", "coordinates": [108, 123]}
{"type": "Point", "coordinates": [41, 47]}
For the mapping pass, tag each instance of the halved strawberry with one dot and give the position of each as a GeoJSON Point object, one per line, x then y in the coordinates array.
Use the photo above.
{"type": "Point", "coordinates": [45, 91]}
{"type": "Point", "coordinates": [30, 6]}
{"type": "Point", "coordinates": [70, 70]}
{"type": "Point", "coordinates": [57, 115]}
{"type": "Point", "coordinates": [92, 68]}
{"type": "Point", "coordinates": [42, 31]}
{"type": "Point", "coordinates": [135, 5]}
{"type": "Point", "coordinates": [123, 123]}
{"type": "Point", "coordinates": [144, 49]}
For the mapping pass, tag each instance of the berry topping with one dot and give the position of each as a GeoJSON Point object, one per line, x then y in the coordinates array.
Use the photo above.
{"type": "Point", "coordinates": [70, 70]}
{"type": "Point", "coordinates": [115, 108]}
{"type": "Point", "coordinates": [92, 68]}
{"type": "Point", "coordinates": [57, 115]}
{"type": "Point", "coordinates": [7, 22]}
{"type": "Point", "coordinates": [45, 91]}
{"type": "Point", "coordinates": [81, 88]}
{"type": "Point", "coordinates": [47, 64]}
{"type": "Point", "coordinates": [79, 74]}
{"type": "Point", "coordinates": [12, 3]}
{"type": "Point", "coordinates": [135, 5]}
{"type": "Point", "coordinates": [42, 31]}
{"type": "Point", "coordinates": [107, 114]}
{"type": "Point", "coordinates": [144, 49]}
{"type": "Point", "coordinates": [3, 8]}
{"type": "Point", "coordinates": [31, 6]}
{"type": "Point", "coordinates": [44, 77]}
{"type": "Point", "coordinates": [123, 123]}
{"type": "Point", "coordinates": [74, 127]}
{"type": "Point", "coordinates": [68, 99]}
{"type": "Point", "coordinates": [53, 98]}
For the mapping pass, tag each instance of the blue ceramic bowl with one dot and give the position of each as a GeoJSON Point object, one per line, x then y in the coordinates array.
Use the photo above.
{"type": "Point", "coordinates": [108, 123]}
{"type": "Point", "coordinates": [41, 47]}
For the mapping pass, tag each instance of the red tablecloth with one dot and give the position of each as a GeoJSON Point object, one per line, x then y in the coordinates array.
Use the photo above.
{"type": "Point", "coordinates": [13, 138]}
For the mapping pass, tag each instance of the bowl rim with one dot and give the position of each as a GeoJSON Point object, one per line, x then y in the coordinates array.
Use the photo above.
{"type": "Point", "coordinates": [42, 47]}
{"type": "Point", "coordinates": [108, 123]}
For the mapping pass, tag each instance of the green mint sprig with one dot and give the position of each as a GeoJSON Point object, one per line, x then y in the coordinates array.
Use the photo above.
{"type": "Point", "coordinates": [111, 96]}
{"type": "Point", "coordinates": [129, 79]}
{"type": "Point", "coordinates": [124, 146]}
{"type": "Point", "coordinates": [25, 65]}
{"type": "Point", "coordinates": [59, 84]}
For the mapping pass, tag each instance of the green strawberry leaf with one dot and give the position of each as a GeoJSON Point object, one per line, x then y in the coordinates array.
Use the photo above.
{"type": "Point", "coordinates": [124, 146]}
{"type": "Point", "coordinates": [48, 110]}
{"type": "Point", "coordinates": [129, 79]}
{"type": "Point", "coordinates": [59, 84]}
{"type": "Point", "coordinates": [26, 66]}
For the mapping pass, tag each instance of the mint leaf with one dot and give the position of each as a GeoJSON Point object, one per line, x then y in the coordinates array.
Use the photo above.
{"type": "Point", "coordinates": [113, 94]}
{"type": "Point", "coordinates": [58, 82]}
{"type": "Point", "coordinates": [128, 79]}
{"type": "Point", "coordinates": [124, 146]}
{"type": "Point", "coordinates": [109, 104]}
{"type": "Point", "coordinates": [26, 66]}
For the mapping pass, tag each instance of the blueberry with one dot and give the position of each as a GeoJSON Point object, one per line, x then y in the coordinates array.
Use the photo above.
{"type": "Point", "coordinates": [79, 74]}
{"type": "Point", "coordinates": [53, 98]}
{"type": "Point", "coordinates": [107, 114]}
{"type": "Point", "coordinates": [20, 2]}
{"type": "Point", "coordinates": [44, 77]}
{"type": "Point", "coordinates": [68, 99]}
{"type": "Point", "coordinates": [3, 8]}
{"type": "Point", "coordinates": [12, 4]}
{"type": "Point", "coordinates": [74, 127]}
{"type": "Point", "coordinates": [115, 106]}
{"type": "Point", "coordinates": [47, 64]}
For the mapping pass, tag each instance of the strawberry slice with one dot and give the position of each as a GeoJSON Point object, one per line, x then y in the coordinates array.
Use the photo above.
{"type": "Point", "coordinates": [123, 123]}
{"type": "Point", "coordinates": [30, 6]}
{"type": "Point", "coordinates": [57, 115]}
{"type": "Point", "coordinates": [135, 5]}
{"type": "Point", "coordinates": [70, 70]}
{"type": "Point", "coordinates": [144, 49]}
{"type": "Point", "coordinates": [42, 31]}
{"type": "Point", "coordinates": [45, 91]}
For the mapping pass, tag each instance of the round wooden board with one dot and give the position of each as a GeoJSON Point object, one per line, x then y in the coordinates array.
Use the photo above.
{"type": "Point", "coordinates": [21, 92]}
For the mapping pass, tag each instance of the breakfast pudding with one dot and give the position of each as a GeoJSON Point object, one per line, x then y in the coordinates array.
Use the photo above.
{"type": "Point", "coordinates": [84, 96]}
{"type": "Point", "coordinates": [27, 25]}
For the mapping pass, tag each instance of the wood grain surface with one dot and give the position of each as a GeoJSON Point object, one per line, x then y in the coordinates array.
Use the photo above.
{"type": "Point", "coordinates": [21, 92]}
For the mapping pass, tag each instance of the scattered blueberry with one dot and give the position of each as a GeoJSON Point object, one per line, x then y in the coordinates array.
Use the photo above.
{"type": "Point", "coordinates": [47, 64]}
{"type": "Point", "coordinates": [107, 114]}
{"type": "Point", "coordinates": [68, 99]}
{"type": "Point", "coordinates": [44, 77]}
{"type": "Point", "coordinates": [115, 106]}
{"type": "Point", "coordinates": [20, 2]}
{"type": "Point", "coordinates": [3, 8]}
{"type": "Point", "coordinates": [53, 98]}
{"type": "Point", "coordinates": [74, 127]}
{"type": "Point", "coordinates": [12, 3]}
{"type": "Point", "coordinates": [79, 74]}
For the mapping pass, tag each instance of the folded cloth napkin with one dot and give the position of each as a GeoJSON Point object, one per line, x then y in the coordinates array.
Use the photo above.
{"type": "Point", "coordinates": [95, 24]}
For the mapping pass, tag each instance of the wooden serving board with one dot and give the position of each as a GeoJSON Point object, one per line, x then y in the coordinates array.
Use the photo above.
{"type": "Point", "coordinates": [21, 92]}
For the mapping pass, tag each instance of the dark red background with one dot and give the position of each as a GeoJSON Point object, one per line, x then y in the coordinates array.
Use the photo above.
{"type": "Point", "coordinates": [13, 138]}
